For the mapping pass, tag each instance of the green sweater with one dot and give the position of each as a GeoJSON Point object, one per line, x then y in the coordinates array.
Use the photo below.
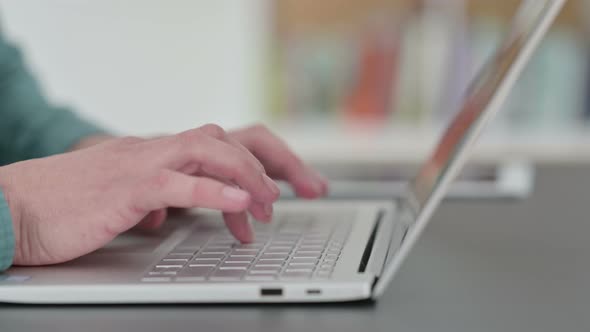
{"type": "Point", "coordinates": [30, 127]}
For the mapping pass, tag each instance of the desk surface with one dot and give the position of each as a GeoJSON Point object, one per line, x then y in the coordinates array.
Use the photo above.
{"type": "Point", "coordinates": [480, 266]}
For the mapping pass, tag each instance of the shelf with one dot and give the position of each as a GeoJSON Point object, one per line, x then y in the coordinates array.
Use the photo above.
{"type": "Point", "coordinates": [413, 145]}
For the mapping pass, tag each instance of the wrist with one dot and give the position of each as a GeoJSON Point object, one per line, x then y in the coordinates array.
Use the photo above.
{"type": "Point", "coordinates": [89, 141]}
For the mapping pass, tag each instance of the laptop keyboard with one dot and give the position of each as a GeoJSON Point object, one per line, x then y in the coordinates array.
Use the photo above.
{"type": "Point", "coordinates": [294, 247]}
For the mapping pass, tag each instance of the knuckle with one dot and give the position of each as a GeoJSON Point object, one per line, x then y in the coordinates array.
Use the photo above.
{"type": "Point", "coordinates": [243, 167]}
{"type": "Point", "coordinates": [290, 163]}
{"type": "Point", "coordinates": [260, 129]}
{"type": "Point", "coordinates": [213, 130]}
{"type": "Point", "coordinates": [196, 189]}
{"type": "Point", "coordinates": [159, 180]}
{"type": "Point", "coordinates": [190, 136]}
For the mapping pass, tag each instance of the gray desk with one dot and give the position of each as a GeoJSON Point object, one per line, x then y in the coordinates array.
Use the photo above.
{"type": "Point", "coordinates": [485, 266]}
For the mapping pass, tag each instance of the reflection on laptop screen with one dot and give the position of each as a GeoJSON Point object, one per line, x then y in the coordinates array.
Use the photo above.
{"type": "Point", "coordinates": [476, 101]}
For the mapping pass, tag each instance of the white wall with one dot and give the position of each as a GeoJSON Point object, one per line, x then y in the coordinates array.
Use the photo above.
{"type": "Point", "coordinates": [146, 66]}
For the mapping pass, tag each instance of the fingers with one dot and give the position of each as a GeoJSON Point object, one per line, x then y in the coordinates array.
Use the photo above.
{"type": "Point", "coordinates": [260, 210]}
{"type": "Point", "coordinates": [280, 162]}
{"type": "Point", "coordinates": [173, 189]}
{"type": "Point", "coordinates": [198, 152]}
{"type": "Point", "coordinates": [239, 226]}
{"type": "Point", "coordinates": [219, 133]}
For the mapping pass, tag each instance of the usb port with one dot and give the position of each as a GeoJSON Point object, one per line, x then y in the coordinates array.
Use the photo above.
{"type": "Point", "coordinates": [314, 291]}
{"type": "Point", "coordinates": [271, 292]}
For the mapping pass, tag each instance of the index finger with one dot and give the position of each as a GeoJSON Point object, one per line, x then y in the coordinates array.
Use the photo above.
{"type": "Point", "coordinates": [280, 162]}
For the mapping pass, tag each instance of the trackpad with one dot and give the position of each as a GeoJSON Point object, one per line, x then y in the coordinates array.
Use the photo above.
{"type": "Point", "coordinates": [138, 241]}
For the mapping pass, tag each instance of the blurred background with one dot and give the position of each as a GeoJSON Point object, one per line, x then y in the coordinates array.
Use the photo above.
{"type": "Point", "coordinates": [341, 80]}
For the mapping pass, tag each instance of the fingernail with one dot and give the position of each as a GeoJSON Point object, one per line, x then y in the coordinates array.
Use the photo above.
{"type": "Point", "coordinates": [246, 233]}
{"type": "Point", "coordinates": [268, 209]}
{"type": "Point", "coordinates": [318, 182]}
{"type": "Point", "coordinates": [234, 194]}
{"type": "Point", "coordinates": [272, 186]}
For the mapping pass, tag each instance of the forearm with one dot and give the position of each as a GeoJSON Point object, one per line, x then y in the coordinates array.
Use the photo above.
{"type": "Point", "coordinates": [30, 127]}
{"type": "Point", "coordinates": [92, 140]}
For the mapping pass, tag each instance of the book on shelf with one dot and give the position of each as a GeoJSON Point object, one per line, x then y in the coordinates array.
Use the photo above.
{"type": "Point", "coordinates": [413, 70]}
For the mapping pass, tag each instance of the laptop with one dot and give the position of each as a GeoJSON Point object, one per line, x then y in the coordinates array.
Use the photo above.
{"type": "Point", "coordinates": [323, 251]}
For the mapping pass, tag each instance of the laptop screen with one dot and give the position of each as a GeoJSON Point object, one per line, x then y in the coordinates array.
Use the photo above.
{"type": "Point", "coordinates": [485, 96]}
{"type": "Point", "coordinates": [478, 97]}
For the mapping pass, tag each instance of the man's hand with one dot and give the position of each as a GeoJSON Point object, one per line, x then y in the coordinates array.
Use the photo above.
{"type": "Point", "coordinates": [71, 204]}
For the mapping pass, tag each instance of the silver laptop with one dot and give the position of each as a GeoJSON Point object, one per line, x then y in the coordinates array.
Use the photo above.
{"type": "Point", "coordinates": [313, 251]}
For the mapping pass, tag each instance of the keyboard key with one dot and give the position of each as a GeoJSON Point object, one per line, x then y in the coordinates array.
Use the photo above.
{"type": "Point", "coordinates": [328, 264]}
{"type": "Point", "coordinates": [321, 243]}
{"type": "Point", "coordinates": [279, 249]}
{"type": "Point", "coordinates": [182, 253]}
{"type": "Point", "coordinates": [218, 247]}
{"type": "Point", "coordinates": [263, 272]}
{"type": "Point", "coordinates": [282, 256]}
{"type": "Point", "coordinates": [189, 279]}
{"type": "Point", "coordinates": [238, 260]}
{"type": "Point", "coordinates": [233, 263]}
{"type": "Point", "coordinates": [269, 264]}
{"type": "Point", "coordinates": [265, 267]}
{"type": "Point", "coordinates": [296, 264]}
{"type": "Point", "coordinates": [290, 243]}
{"type": "Point", "coordinates": [248, 250]}
{"type": "Point", "coordinates": [170, 266]}
{"type": "Point", "coordinates": [175, 259]}
{"type": "Point", "coordinates": [250, 246]}
{"type": "Point", "coordinates": [196, 271]}
{"type": "Point", "coordinates": [272, 260]}
{"type": "Point", "coordinates": [299, 270]}
{"type": "Point", "coordinates": [205, 263]}
{"type": "Point", "coordinates": [311, 247]}
{"type": "Point", "coordinates": [260, 277]}
{"type": "Point", "coordinates": [155, 279]}
{"type": "Point", "coordinates": [210, 256]}
{"type": "Point", "coordinates": [307, 252]}
{"type": "Point", "coordinates": [307, 255]}
{"type": "Point", "coordinates": [188, 247]}
{"type": "Point", "coordinates": [319, 237]}
{"type": "Point", "coordinates": [329, 261]}
{"type": "Point", "coordinates": [304, 260]}
{"type": "Point", "coordinates": [295, 275]}
{"type": "Point", "coordinates": [284, 237]}
{"type": "Point", "coordinates": [235, 267]}
{"type": "Point", "coordinates": [214, 252]}
{"type": "Point", "coordinates": [162, 272]}
{"type": "Point", "coordinates": [243, 255]}
{"type": "Point", "coordinates": [331, 257]}
{"type": "Point", "coordinates": [222, 242]}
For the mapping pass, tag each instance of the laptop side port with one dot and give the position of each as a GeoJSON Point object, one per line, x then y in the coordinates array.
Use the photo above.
{"type": "Point", "coordinates": [370, 243]}
{"type": "Point", "coordinates": [313, 291]}
{"type": "Point", "coordinates": [271, 292]}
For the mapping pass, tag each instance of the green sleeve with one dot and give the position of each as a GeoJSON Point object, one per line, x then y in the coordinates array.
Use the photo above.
{"type": "Point", "coordinates": [6, 235]}
{"type": "Point", "coordinates": [30, 127]}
